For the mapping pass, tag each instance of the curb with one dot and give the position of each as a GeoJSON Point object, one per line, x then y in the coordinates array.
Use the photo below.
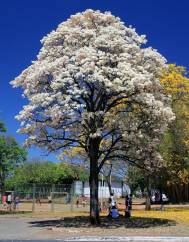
{"type": "Point", "coordinates": [137, 238]}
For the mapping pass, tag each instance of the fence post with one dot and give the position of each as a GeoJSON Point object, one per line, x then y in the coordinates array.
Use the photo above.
{"type": "Point", "coordinates": [72, 197]}
{"type": "Point", "coordinates": [14, 198]}
{"type": "Point", "coordinates": [52, 198]}
{"type": "Point", "coordinates": [33, 204]}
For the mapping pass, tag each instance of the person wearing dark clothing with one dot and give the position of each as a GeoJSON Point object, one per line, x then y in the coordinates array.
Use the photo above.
{"type": "Point", "coordinates": [128, 205]}
{"type": "Point", "coordinates": [16, 203]}
{"type": "Point", "coordinates": [77, 202]}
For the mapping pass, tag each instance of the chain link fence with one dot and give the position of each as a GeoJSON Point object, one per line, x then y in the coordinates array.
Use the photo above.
{"type": "Point", "coordinates": [44, 198]}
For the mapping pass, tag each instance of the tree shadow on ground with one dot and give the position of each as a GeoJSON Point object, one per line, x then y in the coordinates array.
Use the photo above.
{"type": "Point", "coordinates": [4, 212]}
{"type": "Point", "coordinates": [83, 222]}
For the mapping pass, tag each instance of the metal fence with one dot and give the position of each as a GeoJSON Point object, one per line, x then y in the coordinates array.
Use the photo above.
{"type": "Point", "coordinates": [44, 197]}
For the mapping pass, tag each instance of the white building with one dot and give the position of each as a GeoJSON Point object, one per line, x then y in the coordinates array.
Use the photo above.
{"type": "Point", "coordinates": [118, 187]}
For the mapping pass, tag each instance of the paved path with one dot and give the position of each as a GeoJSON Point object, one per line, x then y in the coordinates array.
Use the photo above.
{"type": "Point", "coordinates": [127, 239]}
{"type": "Point", "coordinates": [134, 239]}
{"type": "Point", "coordinates": [16, 228]}
{"type": "Point", "coordinates": [19, 228]}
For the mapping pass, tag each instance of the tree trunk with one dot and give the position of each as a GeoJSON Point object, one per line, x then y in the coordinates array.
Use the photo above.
{"type": "Point", "coordinates": [148, 195]}
{"type": "Point", "coordinates": [177, 193]}
{"type": "Point", "coordinates": [148, 204]}
{"type": "Point", "coordinates": [109, 185]}
{"type": "Point", "coordinates": [161, 199]}
{"type": "Point", "coordinates": [186, 193]}
{"type": "Point", "coordinates": [108, 180]}
{"type": "Point", "coordinates": [2, 183]}
{"type": "Point", "coordinates": [93, 182]}
{"type": "Point", "coordinates": [173, 194]}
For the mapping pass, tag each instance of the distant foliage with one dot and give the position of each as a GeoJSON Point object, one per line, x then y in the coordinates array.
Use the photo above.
{"type": "Point", "coordinates": [11, 156]}
{"type": "Point", "coordinates": [175, 144]}
{"type": "Point", "coordinates": [46, 172]}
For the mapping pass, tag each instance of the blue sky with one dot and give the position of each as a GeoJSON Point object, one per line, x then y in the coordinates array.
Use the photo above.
{"type": "Point", "coordinates": [23, 23]}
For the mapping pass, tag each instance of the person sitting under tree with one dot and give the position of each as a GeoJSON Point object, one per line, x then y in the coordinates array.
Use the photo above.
{"type": "Point", "coordinates": [111, 201]}
{"type": "Point", "coordinates": [114, 212]}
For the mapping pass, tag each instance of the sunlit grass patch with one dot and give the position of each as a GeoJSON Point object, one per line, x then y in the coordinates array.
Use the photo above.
{"type": "Point", "coordinates": [172, 214]}
{"type": "Point", "coordinates": [178, 215]}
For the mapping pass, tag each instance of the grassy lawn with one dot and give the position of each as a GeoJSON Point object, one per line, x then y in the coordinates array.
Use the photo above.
{"type": "Point", "coordinates": [177, 215]}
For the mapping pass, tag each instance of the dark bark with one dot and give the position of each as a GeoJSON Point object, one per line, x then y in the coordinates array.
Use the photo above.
{"type": "Point", "coordinates": [161, 198]}
{"type": "Point", "coordinates": [174, 194]}
{"type": "Point", "coordinates": [93, 182]}
{"type": "Point", "coordinates": [187, 192]}
{"type": "Point", "coordinates": [2, 182]}
{"type": "Point", "coordinates": [109, 185]}
{"type": "Point", "coordinates": [148, 195]}
{"type": "Point", "coordinates": [178, 193]}
{"type": "Point", "coordinates": [148, 204]}
{"type": "Point", "coordinates": [108, 180]}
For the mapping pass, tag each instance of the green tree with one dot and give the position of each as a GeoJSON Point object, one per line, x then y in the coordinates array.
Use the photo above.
{"type": "Point", "coordinates": [34, 171]}
{"type": "Point", "coordinates": [46, 172]}
{"type": "Point", "coordinates": [2, 127]}
{"type": "Point", "coordinates": [142, 180]}
{"type": "Point", "coordinates": [175, 143]}
{"type": "Point", "coordinates": [135, 178]}
{"type": "Point", "coordinates": [11, 156]}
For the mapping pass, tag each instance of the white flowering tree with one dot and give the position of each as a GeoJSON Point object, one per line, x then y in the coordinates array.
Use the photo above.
{"type": "Point", "coordinates": [93, 86]}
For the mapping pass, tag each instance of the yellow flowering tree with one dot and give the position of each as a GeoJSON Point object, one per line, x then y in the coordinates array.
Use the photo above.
{"type": "Point", "coordinates": [175, 144]}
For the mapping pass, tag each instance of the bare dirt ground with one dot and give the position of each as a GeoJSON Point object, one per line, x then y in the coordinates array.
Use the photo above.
{"type": "Point", "coordinates": [133, 227]}
{"type": "Point", "coordinates": [138, 204]}
{"type": "Point", "coordinates": [61, 225]}
{"type": "Point", "coordinates": [69, 221]}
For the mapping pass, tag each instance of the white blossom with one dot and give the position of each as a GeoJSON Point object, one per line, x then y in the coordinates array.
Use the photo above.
{"type": "Point", "coordinates": [93, 80]}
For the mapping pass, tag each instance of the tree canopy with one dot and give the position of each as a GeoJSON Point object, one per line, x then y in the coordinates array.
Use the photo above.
{"type": "Point", "coordinates": [45, 172]}
{"type": "Point", "coordinates": [11, 156]}
{"type": "Point", "coordinates": [174, 146]}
